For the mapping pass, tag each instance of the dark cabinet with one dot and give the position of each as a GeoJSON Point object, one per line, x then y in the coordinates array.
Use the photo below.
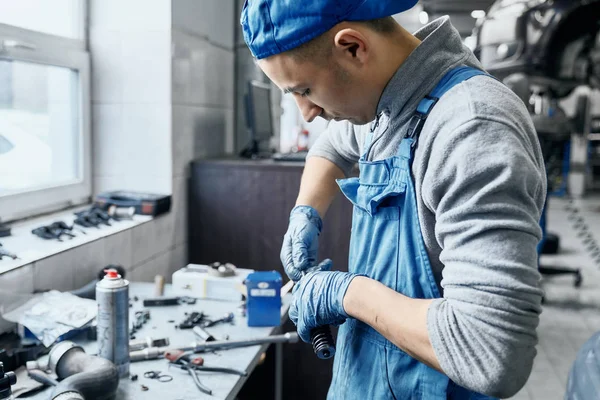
{"type": "Point", "coordinates": [238, 213]}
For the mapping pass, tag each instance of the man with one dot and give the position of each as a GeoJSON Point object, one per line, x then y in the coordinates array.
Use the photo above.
{"type": "Point", "coordinates": [442, 297]}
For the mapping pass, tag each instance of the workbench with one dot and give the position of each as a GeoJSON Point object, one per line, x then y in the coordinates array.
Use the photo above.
{"type": "Point", "coordinates": [162, 324]}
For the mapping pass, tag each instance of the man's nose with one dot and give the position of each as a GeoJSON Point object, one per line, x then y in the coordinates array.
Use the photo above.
{"type": "Point", "coordinates": [309, 110]}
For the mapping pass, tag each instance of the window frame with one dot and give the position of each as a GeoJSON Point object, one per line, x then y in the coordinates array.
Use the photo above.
{"type": "Point", "coordinates": [46, 49]}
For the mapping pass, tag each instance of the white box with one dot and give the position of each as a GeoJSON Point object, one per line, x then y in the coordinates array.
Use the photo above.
{"type": "Point", "coordinates": [195, 281]}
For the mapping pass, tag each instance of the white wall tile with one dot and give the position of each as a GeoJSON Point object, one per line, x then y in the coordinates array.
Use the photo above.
{"type": "Point", "coordinates": [106, 14]}
{"type": "Point", "coordinates": [15, 286]}
{"type": "Point", "coordinates": [132, 139]}
{"type": "Point", "coordinates": [70, 269]}
{"type": "Point", "coordinates": [147, 132]}
{"type": "Point", "coordinates": [107, 133]}
{"type": "Point", "coordinates": [179, 209]}
{"type": "Point", "coordinates": [161, 264]}
{"type": "Point", "coordinates": [56, 272]}
{"type": "Point", "coordinates": [211, 129]}
{"type": "Point", "coordinates": [213, 19]}
{"type": "Point", "coordinates": [88, 259]}
{"type": "Point", "coordinates": [202, 74]}
{"type": "Point", "coordinates": [239, 35]}
{"type": "Point", "coordinates": [152, 238]}
{"type": "Point", "coordinates": [118, 249]}
{"type": "Point", "coordinates": [178, 258]}
{"type": "Point", "coordinates": [130, 15]}
{"type": "Point", "coordinates": [160, 184]}
{"type": "Point", "coordinates": [107, 66]}
{"type": "Point", "coordinates": [146, 59]}
{"type": "Point", "coordinates": [183, 138]}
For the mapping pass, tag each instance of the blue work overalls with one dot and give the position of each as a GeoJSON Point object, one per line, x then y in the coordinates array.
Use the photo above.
{"type": "Point", "coordinates": [387, 245]}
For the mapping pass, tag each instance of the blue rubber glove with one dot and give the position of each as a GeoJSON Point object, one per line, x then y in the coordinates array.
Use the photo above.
{"type": "Point", "coordinates": [301, 241]}
{"type": "Point", "coordinates": [318, 299]}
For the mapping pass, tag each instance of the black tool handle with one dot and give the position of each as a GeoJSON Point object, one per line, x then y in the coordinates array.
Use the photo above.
{"type": "Point", "coordinates": [322, 341]}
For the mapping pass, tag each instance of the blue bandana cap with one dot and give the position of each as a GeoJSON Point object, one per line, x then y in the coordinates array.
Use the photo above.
{"type": "Point", "coordinates": [274, 26]}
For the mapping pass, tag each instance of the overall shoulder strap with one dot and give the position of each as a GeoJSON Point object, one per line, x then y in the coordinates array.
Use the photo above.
{"type": "Point", "coordinates": [451, 79]}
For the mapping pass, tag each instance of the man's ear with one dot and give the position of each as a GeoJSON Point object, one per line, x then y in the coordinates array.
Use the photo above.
{"type": "Point", "coordinates": [352, 44]}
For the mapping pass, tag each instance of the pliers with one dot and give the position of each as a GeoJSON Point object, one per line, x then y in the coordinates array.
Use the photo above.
{"type": "Point", "coordinates": [185, 361]}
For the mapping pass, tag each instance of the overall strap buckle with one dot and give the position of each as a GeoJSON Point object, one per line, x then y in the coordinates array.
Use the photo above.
{"type": "Point", "coordinates": [417, 121]}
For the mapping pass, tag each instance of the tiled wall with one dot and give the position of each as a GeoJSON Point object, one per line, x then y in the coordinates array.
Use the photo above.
{"type": "Point", "coordinates": [162, 95]}
{"type": "Point", "coordinates": [130, 45]}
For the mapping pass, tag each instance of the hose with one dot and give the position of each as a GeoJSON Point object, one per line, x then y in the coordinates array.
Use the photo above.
{"type": "Point", "coordinates": [81, 375]}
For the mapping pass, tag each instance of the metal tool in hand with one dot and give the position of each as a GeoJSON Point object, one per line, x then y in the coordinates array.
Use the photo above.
{"type": "Point", "coordinates": [192, 365]}
{"type": "Point", "coordinates": [157, 375]}
{"type": "Point", "coordinates": [321, 337]}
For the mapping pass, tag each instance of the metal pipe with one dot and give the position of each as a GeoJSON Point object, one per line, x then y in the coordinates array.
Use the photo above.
{"type": "Point", "coordinates": [290, 337]}
{"type": "Point", "coordinates": [158, 352]}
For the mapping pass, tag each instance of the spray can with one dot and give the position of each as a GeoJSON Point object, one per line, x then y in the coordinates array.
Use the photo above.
{"type": "Point", "coordinates": [112, 296]}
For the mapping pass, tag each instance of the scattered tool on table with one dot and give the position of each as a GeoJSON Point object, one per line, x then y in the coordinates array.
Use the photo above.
{"type": "Point", "coordinates": [227, 318]}
{"type": "Point", "coordinates": [192, 365]}
{"type": "Point", "coordinates": [141, 317]}
{"type": "Point", "coordinates": [169, 301]}
{"type": "Point", "coordinates": [192, 319]}
{"type": "Point", "coordinates": [157, 375]}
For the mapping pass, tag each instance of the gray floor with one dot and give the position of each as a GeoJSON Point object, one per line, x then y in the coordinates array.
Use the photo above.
{"type": "Point", "coordinates": [571, 315]}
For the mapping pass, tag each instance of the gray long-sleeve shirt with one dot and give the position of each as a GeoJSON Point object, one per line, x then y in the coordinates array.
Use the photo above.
{"type": "Point", "coordinates": [480, 185]}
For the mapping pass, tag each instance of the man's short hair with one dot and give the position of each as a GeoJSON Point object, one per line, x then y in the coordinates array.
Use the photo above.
{"type": "Point", "coordinates": [319, 49]}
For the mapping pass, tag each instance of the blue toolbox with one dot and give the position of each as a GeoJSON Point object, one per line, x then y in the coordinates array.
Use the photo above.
{"type": "Point", "coordinates": [263, 302]}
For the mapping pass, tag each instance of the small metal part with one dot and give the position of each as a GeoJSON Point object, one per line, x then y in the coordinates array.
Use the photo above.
{"type": "Point", "coordinates": [121, 212]}
{"type": "Point", "coordinates": [134, 377]}
{"type": "Point", "coordinates": [144, 388]}
{"type": "Point", "coordinates": [157, 375]}
{"type": "Point", "coordinates": [202, 334]}
{"type": "Point", "coordinates": [146, 354]}
{"type": "Point", "coordinates": [141, 344]}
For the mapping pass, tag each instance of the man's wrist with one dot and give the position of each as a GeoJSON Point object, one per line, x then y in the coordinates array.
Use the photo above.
{"type": "Point", "coordinates": [352, 296]}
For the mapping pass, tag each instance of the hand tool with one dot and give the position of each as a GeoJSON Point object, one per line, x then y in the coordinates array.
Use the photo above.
{"type": "Point", "coordinates": [180, 359]}
{"type": "Point", "coordinates": [227, 318]}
